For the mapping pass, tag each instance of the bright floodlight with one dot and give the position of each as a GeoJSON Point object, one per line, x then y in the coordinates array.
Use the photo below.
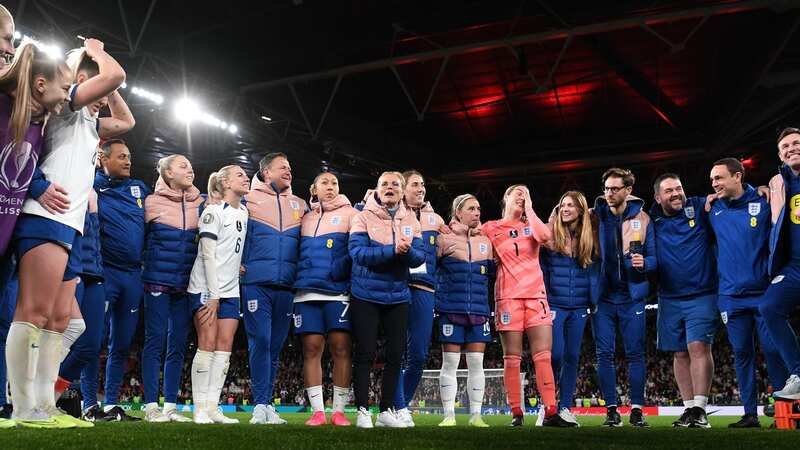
{"type": "Point", "coordinates": [186, 110]}
{"type": "Point", "coordinates": [266, 119]}
{"type": "Point", "coordinates": [233, 129]}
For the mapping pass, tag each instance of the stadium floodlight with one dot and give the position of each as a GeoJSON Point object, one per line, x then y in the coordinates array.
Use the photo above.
{"type": "Point", "coordinates": [144, 93]}
{"type": "Point", "coordinates": [187, 110]}
{"type": "Point", "coordinates": [233, 129]}
{"type": "Point", "coordinates": [266, 118]}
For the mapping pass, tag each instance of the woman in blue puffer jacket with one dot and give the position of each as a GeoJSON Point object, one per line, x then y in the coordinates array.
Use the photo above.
{"type": "Point", "coordinates": [322, 300]}
{"type": "Point", "coordinates": [171, 215]}
{"type": "Point", "coordinates": [569, 263]}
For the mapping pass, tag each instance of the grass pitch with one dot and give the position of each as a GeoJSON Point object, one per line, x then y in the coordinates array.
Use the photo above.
{"type": "Point", "coordinates": [426, 435]}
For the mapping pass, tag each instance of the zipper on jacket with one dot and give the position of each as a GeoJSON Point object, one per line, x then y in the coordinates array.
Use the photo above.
{"type": "Point", "coordinates": [469, 280]}
{"type": "Point", "coordinates": [280, 233]}
{"type": "Point", "coordinates": [321, 213]}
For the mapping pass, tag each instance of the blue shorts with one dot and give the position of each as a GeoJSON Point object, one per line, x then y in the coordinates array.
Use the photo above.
{"type": "Point", "coordinates": [321, 317]}
{"type": "Point", "coordinates": [681, 321]}
{"type": "Point", "coordinates": [453, 333]}
{"type": "Point", "coordinates": [32, 231]}
{"type": "Point", "coordinates": [229, 308]}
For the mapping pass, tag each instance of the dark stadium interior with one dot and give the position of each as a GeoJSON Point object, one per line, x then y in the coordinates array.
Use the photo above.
{"type": "Point", "coordinates": [542, 92]}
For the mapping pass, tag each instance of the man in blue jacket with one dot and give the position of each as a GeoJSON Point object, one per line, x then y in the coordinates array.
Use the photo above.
{"type": "Point", "coordinates": [269, 265]}
{"type": "Point", "coordinates": [687, 293]}
{"type": "Point", "coordinates": [741, 223]}
{"type": "Point", "coordinates": [627, 255]}
{"type": "Point", "coordinates": [120, 206]}
{"type": "Point", "coordinates": [782, 297]}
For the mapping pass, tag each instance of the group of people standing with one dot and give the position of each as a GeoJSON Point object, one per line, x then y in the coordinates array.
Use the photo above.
{"type": "Point", "coordinates": [84, 246]}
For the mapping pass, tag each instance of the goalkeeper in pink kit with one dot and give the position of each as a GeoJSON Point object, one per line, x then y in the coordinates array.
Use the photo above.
{"type": "Point", "coordinates": [521, 301]}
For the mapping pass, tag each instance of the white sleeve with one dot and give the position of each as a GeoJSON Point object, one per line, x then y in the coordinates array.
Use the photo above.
{"type": "Point", "coordinates": [208, 252]}
{"type": "Point", "coordinates": [210, 223]}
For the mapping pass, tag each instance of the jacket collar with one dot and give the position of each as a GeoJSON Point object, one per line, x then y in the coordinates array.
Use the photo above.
{"type": "Point", "coordinates": [374, 205]}
{"type": "Point", "coordinates": [163, 189]}
{"type": "Point", "coordinates": [339, 201]}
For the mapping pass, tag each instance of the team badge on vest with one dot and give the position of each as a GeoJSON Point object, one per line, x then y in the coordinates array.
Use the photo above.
{"type": "Point", "coordinates": [329, 243]}
{"type": "Point", "coordinates": [208, 218]}
{"type": "Point", "coordinates": [724, 316]}
{"type": "Point", "coordinates": [431, 219]}
{"type": "Point", "coordinates": [689, 212]}
{"type": "Point", "coordinates": [296, 209]}
{"type": "Point", "coordinates": [526, 231]}
{"type": "Point", "coordinates": [298, 320]}
{"type": "Point", "coordinates": [238, 225]}
{"type": "Point", "coordinates": [252, 305]}
{"type": "Point", "coordinates": [513, 233]}
{"type": "Point", "coordinates": [336, 220]}
{"type": "Point", "coordinates": [505, 317]}
{"type": "Point", "coordinates": [136, 192]}
{"type": "Point", "coordinates": [483, 248]}
{"type": "Point", "coordinates": [636, 225]}
{"type": "Point", "coordinates": [754, 208]}
{"type": "Point", "coordinates": [294, 204]}
{"type": "Point", "coordinates": [447, 330]}
{"type": "Point", "coordinates": [407, 231]}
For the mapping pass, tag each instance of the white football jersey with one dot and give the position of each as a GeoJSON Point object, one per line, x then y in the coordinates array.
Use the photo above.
{"type": "Point", "coordinates": [69, 156]}
{"type": "Point", "coordinates": [228, 226]}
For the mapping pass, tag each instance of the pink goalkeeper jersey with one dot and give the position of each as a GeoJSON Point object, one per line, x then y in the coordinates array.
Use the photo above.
{"type": "Point", "coordinates": [516, 247]}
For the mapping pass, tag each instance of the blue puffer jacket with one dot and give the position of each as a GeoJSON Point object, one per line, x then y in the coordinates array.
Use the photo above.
{"type": "Point", "coordinates": [324, 264]}
{"type": "Point", "coordinates": [466, 263]}
{"type": "Point", "coordinates": [379, 275]}
{"type": "Point", "coordinates": [172, 227]}
{"type": "Point", "coordinates": [430, 222]}
{"type": "Point", "coordinates": [569, 285]}
{"type": "Point", "coordinates": [272, 246]}
{"type": "Point", "coordinates": [120, 206]}
{"type": "Point", "coordinates": [91, 257]}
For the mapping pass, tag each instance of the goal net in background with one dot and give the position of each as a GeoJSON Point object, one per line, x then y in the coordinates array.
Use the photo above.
{"type": "Point", "coordinates": [427, 397]}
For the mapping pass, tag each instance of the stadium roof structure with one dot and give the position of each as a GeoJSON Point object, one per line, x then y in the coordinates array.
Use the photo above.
{"type": "Point", "coordinates": [470, 92]}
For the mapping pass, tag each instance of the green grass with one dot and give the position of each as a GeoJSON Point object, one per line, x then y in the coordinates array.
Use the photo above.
{"type": "Point", "coordinates": [426, 435]}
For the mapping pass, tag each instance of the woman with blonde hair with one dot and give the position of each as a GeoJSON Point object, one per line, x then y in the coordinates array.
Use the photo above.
{"type": "Point", "coordinates": [47, 241]}
{"type": "Point", "coordinates": [385, 242]}
{"type": "Point", "coordinates": [214, 283]}
{"type": "Point", "coordinates": [569, 265]}
{"type": "Point", "coordinates": [466, 263]}
{"type": "Point", "coordinates": [521, 307]}
{"type": "Point", "coordinates": [172, 217]}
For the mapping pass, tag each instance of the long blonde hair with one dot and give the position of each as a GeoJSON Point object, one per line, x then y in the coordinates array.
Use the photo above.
{"type": "Point", "coordinates": [586, 246]}
{"type": "Point", "coordinates": [216, 182]}
{"type": "Point", "coordinates": [29, 61]}
{"type": "Point", "coordinates": [164, 164]}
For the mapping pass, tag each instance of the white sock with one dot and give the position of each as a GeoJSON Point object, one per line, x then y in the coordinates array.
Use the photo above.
{"type": "Point", "coordinates": [218, 373]}
{"type": "Point", "coordinates": [448, 384]}
{"type": "Point", "coordinates": [688, 404]}
{"type": "Point", "coordinates": [476, 381]}
{"type": "Point", "coordinates": [44, 384]}
{"type": "Point", "coordinates": [74, 330]}
{"type": "Point", "coordinates": [151, 405]}
{"type": "Point", "coordinates": [108, 408]}
{"type": "Point", "coordinates": [170, 406]}
{"type": "Point", "coordinates": [22, 357]}
{"type": "Point", "coordinates": [700, 401]}
{"type": "Point", "coordinates": [201, 364]}
{"type": "Point", "coordinates": [341, 396]}
{"type": "Point", "coordinates": [636, 406]}
{"type": "Point", "coordinates": [316, 398]}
